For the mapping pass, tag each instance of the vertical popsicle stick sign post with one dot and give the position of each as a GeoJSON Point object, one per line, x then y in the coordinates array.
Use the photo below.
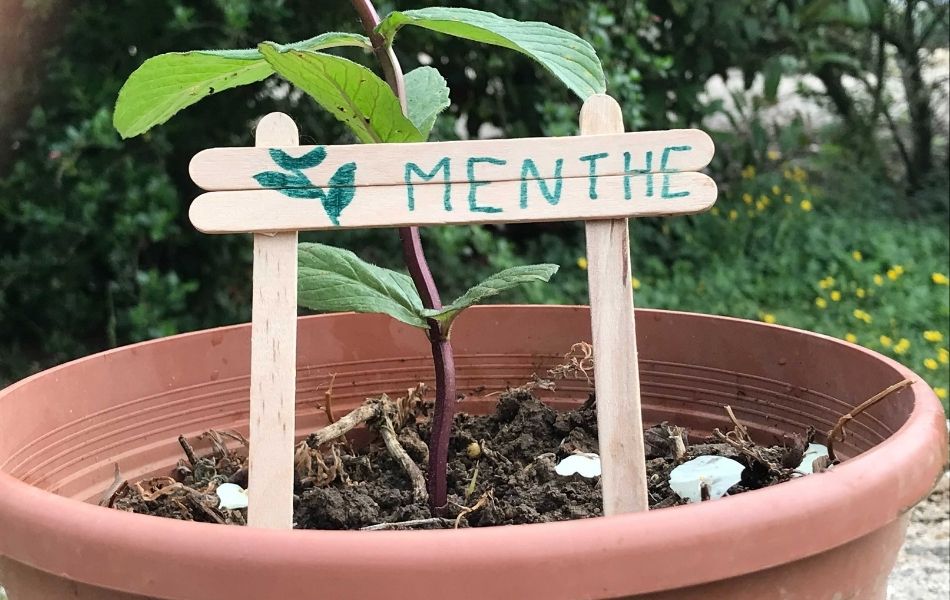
{"type": "Point", "coordinates": [602, 177]}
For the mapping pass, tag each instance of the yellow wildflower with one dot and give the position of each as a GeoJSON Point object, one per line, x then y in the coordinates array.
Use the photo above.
{"type": "Point", "coordinates": [940, 279]}
{"type": "Point", "coordinates": [835, 296]}
{"type": "Point", "coordinates": [930, 364]}
{"type": "Point", "coordinates": [902, 346]}
{"type": "Point", "coordinates": [799, 175]}
{"type": "Point", "coordinates": [635, 283]}
{"type": "Point", "coordinates": [821, 303]}
{"type": "Point", "coordinates": [748, 172]}
{"type": "Point", "coordinates": [827, 282]}
{"type": "Point", "coordinates": [885, 341]}
{"type": "Point", "coordinates": [773, 154]}
{"type": "Point", "coordinates": [860, 292]}
{"type": "Point", "coordinates": [933, 336]}
{"type": "Point", "coordinates": [878, 280]}
{"type": "Point", "coordinates": [733, 215]}
{"type": "Point", "coordinates": [787, 174]}
{"type": "Point", "coordinates": [851, 338]}
{"type": "Point", "coordinates": [747, 198]}
{"type": "Point", "coordinates": [941, 392]}
{"type": "Point", "coordinates": [806, 205]}
{"type": "Point", "coordinates": [776, 190]}
{"type": "Point", "coordinates": [857, 256]}
{"type": "Point", "coordinates": [715, 211]}
{"type": "Point", "coordinates": [943, 355]}
{"type": "Point", "coordinates": [862, 315]}
{"type": "Point", "coordinates": [895, 272]}
{"type": "Point", "coordinates": [760, 206]}
{"type": "Point", "coordinates": [788, 199]}
{"type": "Point", "coordinates": [768, 318]}
{"type": "Point", "coordinates": [582, 263]}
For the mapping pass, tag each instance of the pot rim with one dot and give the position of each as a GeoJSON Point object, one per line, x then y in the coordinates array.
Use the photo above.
{"type": "Point", "coordinates": [885, 481]}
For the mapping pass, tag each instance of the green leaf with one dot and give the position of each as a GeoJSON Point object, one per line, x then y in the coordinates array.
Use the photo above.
{"type": "Point", "coordinates": [333, 279]}
{"type": "Point", "coordinates": [496, 284]}
{"type": "Point", "coordinates": [773, 77]}
{"type": "Point", "coordinates": [165, 84]}
{"type": "Point", "coordinates": [427, 95]}
{"type": "Point", "coordinates": [350, 92]}
{"type": "Point", "coordinates": [566, 56]}
{"type": "Point", "coordinates": [858, 12]}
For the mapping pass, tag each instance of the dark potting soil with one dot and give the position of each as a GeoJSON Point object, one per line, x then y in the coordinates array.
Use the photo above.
{"type": "Point", "coordinates": [500, 471]}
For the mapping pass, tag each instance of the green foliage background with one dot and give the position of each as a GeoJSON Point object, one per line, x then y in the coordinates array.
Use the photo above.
{"type": "Point", "coordinates": [96, 250]}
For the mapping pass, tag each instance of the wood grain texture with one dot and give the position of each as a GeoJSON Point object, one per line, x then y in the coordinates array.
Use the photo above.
{"type": "Point", "coordinates": [388, 206]}
{"type": "Point", "coordinates": [220, 169]}
{"type": "Point", "coordinates": [616, 373]}
{"type": "Point", "coordinates": [273, 361]}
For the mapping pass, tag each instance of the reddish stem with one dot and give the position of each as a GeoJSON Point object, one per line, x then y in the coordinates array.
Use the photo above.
{"type": "Point", "coordinates": [442, 356]}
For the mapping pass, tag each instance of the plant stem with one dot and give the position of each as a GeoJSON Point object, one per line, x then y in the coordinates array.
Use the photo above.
{"type": "Point", "coordinates": [442, 356]}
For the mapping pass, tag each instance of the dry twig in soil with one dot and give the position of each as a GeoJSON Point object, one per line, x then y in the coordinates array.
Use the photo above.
{"type": "Point", "coordinates": [837, 432]}
{"type": "Point", "coordinates": [467, 510]}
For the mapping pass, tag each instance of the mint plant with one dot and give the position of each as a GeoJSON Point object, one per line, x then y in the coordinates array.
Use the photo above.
{"type": "Point", "coordinates": [397, 109]}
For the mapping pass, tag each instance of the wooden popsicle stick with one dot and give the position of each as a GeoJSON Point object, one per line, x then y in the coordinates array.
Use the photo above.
{"type": "Point", "coordinates": [510, 201]}
{"type": "Point", "coordinates": [273, 360]}
{"type": "Point", "coordinates": [616, 373]}
{"type": "Point", "coordinates": [219, 169]}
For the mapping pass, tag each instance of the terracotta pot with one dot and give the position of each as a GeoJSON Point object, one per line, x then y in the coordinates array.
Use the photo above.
{"type": "Point", "coordinates": [833, 535]}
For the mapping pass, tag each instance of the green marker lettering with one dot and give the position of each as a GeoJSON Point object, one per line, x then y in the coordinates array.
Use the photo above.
{"type": "Point", "coordinates": [442, 165]}
{"type": "Point", "coordinates": [473, 183]}
{"type": "Point", "coordinates": [627, 172]}
{"type": "Point", "coordinates": [664, 166]}
{"type": "Point", "coordinates": [529, 168]}
{"type": "Point", "coordinates": [592, 172]}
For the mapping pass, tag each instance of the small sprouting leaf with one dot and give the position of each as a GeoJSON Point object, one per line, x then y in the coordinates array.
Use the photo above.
{"type": "Point", "coordinates": [307, 161]}
{"type": "Point", "coordinates": [350, 92]}
{"type": "Point", "coordinates": [427, 95]}
{"type": "Point", "coordinates": [497, 283]}
{"type": "Point", "coordinates": [568, 57]}
{"type": "Point", "coordinates": [333, 279]}
{"type": "Point", "coordinates": [165, 84]}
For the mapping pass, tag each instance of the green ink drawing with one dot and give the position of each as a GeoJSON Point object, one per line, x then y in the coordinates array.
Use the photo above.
{"type": "Point", "coordinates": [442, 165]}
{"type": "Point", "coordinates": [529, 168]}
{"type": "Point", "coordinates": [664, 167]}
{"type": "Point", "coordinates": [647, 170]}
{"type": "Point", "coordinates": [307, 161]}
{"type": "Point", "coordinates": [593, 158]}
{"type": "Point", "coordinates": [297, 185]}
{"type": "Point", "coordinates": [473, 183]}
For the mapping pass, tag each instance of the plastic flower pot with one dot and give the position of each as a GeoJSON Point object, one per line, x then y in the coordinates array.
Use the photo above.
{"type": "Point", "coordinates": [829, 536]}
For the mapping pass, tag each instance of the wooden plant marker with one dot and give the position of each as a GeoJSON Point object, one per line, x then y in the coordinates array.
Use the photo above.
{"type": "Point", "coordinates": [273, 360]}
{"type": "Point", "coordinates": [614, 337]}
{"type": "Point", "coordinates": [603, 177]}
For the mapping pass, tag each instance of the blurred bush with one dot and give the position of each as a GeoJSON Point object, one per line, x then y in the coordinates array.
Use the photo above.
{"type": "Point", "coordinates": [96, 249]}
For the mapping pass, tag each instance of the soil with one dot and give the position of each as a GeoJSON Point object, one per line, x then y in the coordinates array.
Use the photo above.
{"type": "Point", "coordinates": [500, 472]}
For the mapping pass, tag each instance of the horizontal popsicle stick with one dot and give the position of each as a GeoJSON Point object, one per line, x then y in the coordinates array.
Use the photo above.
{"type": "Point", "coordinates": [219, 169]}
{"type": "Point", "coordinates": [499, 202]}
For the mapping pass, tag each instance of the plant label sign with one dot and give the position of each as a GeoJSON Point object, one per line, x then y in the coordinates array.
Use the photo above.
{"type": "Point", "coordinates": [584, 177]}
{"type": "Point", "coordinates": [602, 176]}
